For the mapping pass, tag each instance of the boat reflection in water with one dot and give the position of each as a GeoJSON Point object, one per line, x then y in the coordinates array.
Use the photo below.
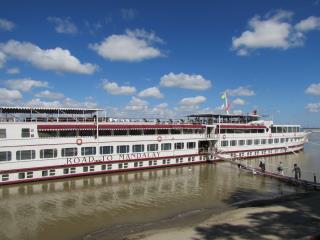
{"type": "Point", "coordinates": [73, 208]}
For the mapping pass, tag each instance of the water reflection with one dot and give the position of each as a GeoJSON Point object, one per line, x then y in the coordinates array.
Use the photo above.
{"type": "Point", "coordinates": [68, 209]}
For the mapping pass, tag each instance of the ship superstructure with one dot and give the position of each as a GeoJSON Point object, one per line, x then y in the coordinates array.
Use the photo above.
{"type": "Point", "coordinates": [49, 143]}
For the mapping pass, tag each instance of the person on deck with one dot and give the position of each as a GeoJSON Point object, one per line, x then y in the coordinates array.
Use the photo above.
{"type": "Point", "coordinates": [297, 171]}
{"type": "Point", "coordinates": [280, 169]}
{"type": "Point", "coordinates": [262, 166]}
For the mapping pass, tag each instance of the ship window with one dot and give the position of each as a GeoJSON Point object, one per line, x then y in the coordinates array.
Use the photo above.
{"type": "Point", "coordinates": [163, 131]}
{"type": "Point", "coordinates": [21, 175]}
{"type": "Point", "coordinates": [125, 165]}
{"type": "Point", "coordinates": [224, 143]}
{"type": "Point", "coordinates": [256, 141]}
{"type": "Point", "coordinates": [85, 151]}
{"type": "Point", "coordinates": [120, 132]}
{"type": "Point", "coordinates": [3, 133]}
{"type": "Point", "coordinates": [140, 164]}
{"type": "Point", "coordinates": [233, 143]}
{"type": "Point", "coordinates": [289, 129]}
{"type": "Point", "coordinates": [152, 147]}
{"type": "Point", "coordinates": [103, 167]}
{"type": "Point", "coordinates": [138, 148]}
{"type": "Point", "coordinates": [263, 141]}
{"type": "Point", "coordinates": [106, 149]}
{"type": "Point", "coordinates": [52, 172]}
{"type": "Point", "coordinates": [5, 156]}
{"type": "Point", "coordinates": [270, 141]}
{"type": "Point", "coordinates": [241, 142]}
{"type": "Point", "coordinates": [120, 165]}
{"type": "Point", "coordinates": [276, 140]}
{"type": "Point", "coordinates": [109, 166]}
{"type": "Point", "coordinates": [135, 164]}
{"type": "Point", "coordinates": [279, 129]}
{"type": "Point", "coordinates": [105, 132]}
{"type": "Point", "coordinates": [29, 174]}
{"type": "Point", "coordinates": [175, 131]}
{"type": "Point", "coordinates": [69, 152]}
{"type": "Point", "coordinates": [73, 170]}
{"type": "Point", "coordinates": [149, 132]}
{"type": "Point", "coordinates": [135, 132]}
{"type": "Point", "coordinates": [249, 142]}
{"type": "Point", "coordinates": [48, 134]}
{"type": "Point", "coordinates": [87, 133]}
{"type": "Point", "coordinates": [282, 140]}
{"type": "Point", "coordinates": [5, 177]}
{"type": "Point", "coordinates": [123, 149]}
{"type": "Point", "coordinates": [25, 132]}
{"type": "Point", "coordinates": [273, 129]}
{"type": "Point", "coordinates": [150, 163]}
{"type": "Point", "coordinates": [69, 133]}
{"type": "Point", "coordinates": [187, 131]}
{"type": "Point", "coordinates": [165, 146]}
{"type": "Point", "coordinates": [48, 153]}
{"type": "Point", "coordinates": [91, 168]}
{"type": "Point", "coordinates": [45, 173]}
{"type": "Point", "coordinates": [66, 171]}
{"type": "Point", "coordinates": [85, 169]}
{"type": "Point", "coordinates": [191, 145]}
{"type": "Point", "coordinates": [25, 154]}
{"type": "Point", "coordinates": [179, 145]}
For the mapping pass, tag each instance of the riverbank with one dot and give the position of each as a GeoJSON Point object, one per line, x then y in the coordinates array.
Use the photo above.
{"type": "Point", "coordinates": [287, 217]}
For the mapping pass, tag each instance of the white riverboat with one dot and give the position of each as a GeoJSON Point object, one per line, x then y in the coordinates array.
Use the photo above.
{"type": "Point", "coordinates": [50, 143]}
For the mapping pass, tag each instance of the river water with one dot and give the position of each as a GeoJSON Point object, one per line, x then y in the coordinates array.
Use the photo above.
{"type": "Point", "coordinates": [111, 206]}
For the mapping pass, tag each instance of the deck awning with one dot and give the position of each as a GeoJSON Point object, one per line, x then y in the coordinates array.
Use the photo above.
{"type": "Point", "coordinates": [52, 127]}
{"type": "Point", "coordinates": [43, 110]}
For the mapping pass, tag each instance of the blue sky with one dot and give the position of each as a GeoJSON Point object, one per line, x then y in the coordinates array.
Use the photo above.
{"type": "Point", "coordinates": [163, 58]}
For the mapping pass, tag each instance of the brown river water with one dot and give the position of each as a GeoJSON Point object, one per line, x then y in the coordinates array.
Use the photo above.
{"type": "Point", "coordinates": [113, 205]}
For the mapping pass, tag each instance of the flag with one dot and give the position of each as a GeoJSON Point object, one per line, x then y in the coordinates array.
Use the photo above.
{"type": "Point", "coordinates": [224, 96]}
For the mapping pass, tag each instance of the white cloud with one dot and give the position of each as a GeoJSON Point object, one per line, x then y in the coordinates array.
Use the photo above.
{"type": "Point", "coordinates": [237, 111]}
{"type": "Point", "coordinates": [182, 80]}
{"type": "Point", "coordinates": [7, 96]}
{"type": "Point", "coordinates": [2, 59]}
{"type": "Point", "coordinates": [14, 70]}
{"type": "Point", "coordinates": [308, 24]}
{"type": "Point", "coordinates": [50, 95]}
{"type": "Point", "coordinates": [272, 31]}
{"type": "Point", "coordinates": [114, 89]}
{"type": "Point", "coordinates": [192, 101]}
{"type": "Point", "coordinates": [56, 59]}
{"type": "Point", "coordinates": [313, 107]}
{"type": "Point", "coordinates": [67, 102]}
{"type": "Point", "coordinates": [241, 91]}
{"type": "Point", "coordinates": [128, 13]}
{"type": "Point", "coordinates": [151, 92]}
{"type": "Point", "coordinates": [6, 25]}
{"type": "Point", "coordinates": [313, 89]}
{"type": "Point", "coordinates": [38, 103]}
{"type": "Point", "coordinates": [137, 104]}
{"type": "Point", "coordinates": [132, 46]}
{"type": "Point", "coordinates": [63, 25]}
{"type": "Point", "coordinates": [25, 84]}
{"type": "Point", "coordinates": [238, 101]}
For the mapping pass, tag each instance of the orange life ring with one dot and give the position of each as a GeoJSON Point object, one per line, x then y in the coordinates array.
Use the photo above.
{"type": "Point", "coordinates": [79, 141]}
{"type": "Point", "coordinates": [159, 138]}
{"type": "Point", "coordinates": [224, 136]}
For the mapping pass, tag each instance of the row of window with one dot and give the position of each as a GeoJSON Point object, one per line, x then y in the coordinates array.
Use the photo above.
{"type": "Point", "coordinates": [92, 168]}
{"type": "Point", "coordinates": [90, 151]}
{"type": "Point", "coordinates": [226, 143]}
{"type": "Point", "coordinates": [132, 132]}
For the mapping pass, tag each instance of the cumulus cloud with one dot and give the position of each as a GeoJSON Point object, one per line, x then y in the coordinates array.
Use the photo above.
{"type": "Point", "coordinates": [8, 96]}
{"type": "Point", "coordinates": [63, 25]}
{"type": "Point", "coordinates": [14, 70]}
{"type": "Point", "coordinates": [192, 101]}
{"type": "Point", "coordinates": [132, 46]}
{"type": "Point", "coordinates": [313, 107]}
{"type": "Point", "coordinates": [25, 84]}
{"type": "Point", "coordinates": [241, 91]}
{"type": "Point", "coordinates": [272, 31]}
{"type": "Point", "coordinates": [308, 24]}
{"type": "Point", "coordinates": [2, 59]}
{"type": "Point", "coordinates": [238, 101]}
{"type": "Point", "coordinates": [151, 92]}
{"type": "Point", "coordinates": [56, 59]}
{"type": "Point", "coordinates": [114, 89]}
{"type": "Point", "coordinates": [67, 102]}
{"type": "Point", "coordinates": [128, 13]}
{"type": "Point", "coordinates": [137, 104]}
{"type": "Point", "coordinates": [50, 95]}
{"type": "Point", "coordinates": [182, 80]}
{"type": "Point", "coordinates": [6, 25]}
{"type": "Point", "coordinates": [313, 89]}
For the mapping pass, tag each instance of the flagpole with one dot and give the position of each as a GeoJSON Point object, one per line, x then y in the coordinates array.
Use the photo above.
{"type": "Point", "coordinates": [226, 99]}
